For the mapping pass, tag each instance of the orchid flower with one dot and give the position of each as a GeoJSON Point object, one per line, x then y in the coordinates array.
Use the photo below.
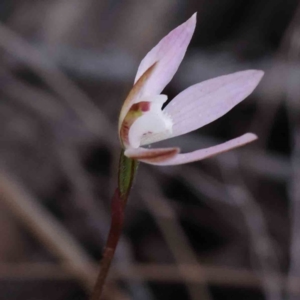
{"type": "Point", "coordinates": [143, 121]}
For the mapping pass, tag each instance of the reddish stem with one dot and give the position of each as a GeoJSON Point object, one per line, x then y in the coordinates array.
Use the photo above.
{"type": "Point", "coordinates": [117, 219]}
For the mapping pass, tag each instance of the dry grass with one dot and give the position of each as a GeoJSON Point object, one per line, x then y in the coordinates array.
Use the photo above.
{"type": "Point", "coordinates": [225, 228]}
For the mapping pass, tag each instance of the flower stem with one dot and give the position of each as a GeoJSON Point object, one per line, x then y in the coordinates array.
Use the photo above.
{"type": "Point", "coordinates": [127, 171]}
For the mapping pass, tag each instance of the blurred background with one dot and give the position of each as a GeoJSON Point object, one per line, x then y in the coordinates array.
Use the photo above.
{"type": "Point", "coordinates": [224, 228]}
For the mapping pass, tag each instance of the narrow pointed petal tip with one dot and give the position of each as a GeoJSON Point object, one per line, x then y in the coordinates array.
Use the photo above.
{"type": "Point", "coordinates": [193, 18]}
{"type": "Point", "coordinates": [191, 22]}
{"type": "Point", "coordinates": [168, 54]}
{"type": "Point", "coordinates": [249, 137]}
{"type": "Point", "coordinates": [256, 75]}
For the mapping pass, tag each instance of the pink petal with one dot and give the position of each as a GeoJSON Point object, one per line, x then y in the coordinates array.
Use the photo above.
{"type": "Point", "coordinates": [205, 153]}
{"type": "Point", "coordinates": [169, 53]}
{"type": "Point", "coordinates": [152, 156]}
{"type": "Point", "coordinates": [207, 101]}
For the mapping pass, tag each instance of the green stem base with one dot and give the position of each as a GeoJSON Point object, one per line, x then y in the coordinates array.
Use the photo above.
{"type": "Point", "coordinates": [127, 171]}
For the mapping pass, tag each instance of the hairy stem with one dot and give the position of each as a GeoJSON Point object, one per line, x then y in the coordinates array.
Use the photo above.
{"type": "Point", "coordinates": [127, 170]}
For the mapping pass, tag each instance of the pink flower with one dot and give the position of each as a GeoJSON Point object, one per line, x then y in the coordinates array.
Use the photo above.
{"type": "Point", "coordinates": [142, 120]}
